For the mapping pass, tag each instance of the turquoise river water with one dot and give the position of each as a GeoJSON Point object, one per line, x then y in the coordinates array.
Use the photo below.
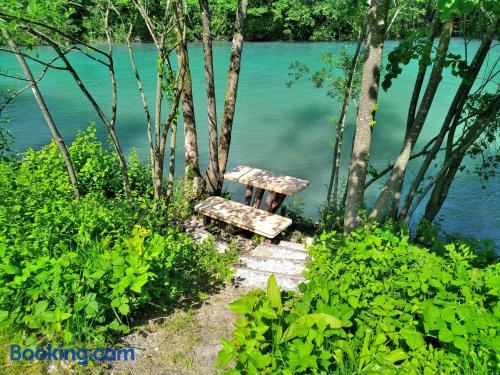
{"type": "Point", "coordinates": [286, 130]}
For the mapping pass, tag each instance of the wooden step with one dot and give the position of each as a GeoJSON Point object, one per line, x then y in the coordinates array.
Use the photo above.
{"type": "Point", "coordinates": [258, 221]}
{"type": "Point", "coordinates": [279, 252]}
{"type": "Point", "coordinates": [293, 245]}
{"type": "Point", "coordinates": [271, 265]}
{"type": "Point", "coordinates": [258, 279]}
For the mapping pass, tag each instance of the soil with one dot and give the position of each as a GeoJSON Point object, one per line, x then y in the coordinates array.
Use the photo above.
{"type": "Point", "coordinates": [186, 342]}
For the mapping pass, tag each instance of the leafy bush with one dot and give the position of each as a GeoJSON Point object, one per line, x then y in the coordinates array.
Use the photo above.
{"type": "Point", "coordinates": [91, 292]}
{"type": "Point", "coordinates": [374, 303]}
{"type": "Point", "coordinates": [83, 271]}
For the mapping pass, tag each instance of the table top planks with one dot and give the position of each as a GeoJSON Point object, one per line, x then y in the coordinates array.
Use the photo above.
{"type": "Point", "coordinates": [258, 221]}
{"type": "Point", "coordinates": [266, 180]}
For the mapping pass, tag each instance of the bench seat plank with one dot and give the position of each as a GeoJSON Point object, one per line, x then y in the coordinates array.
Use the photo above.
{"type": "Point", "coordinates": [266, 180]}
{"type": "Point", "coordinates": [258, 221]}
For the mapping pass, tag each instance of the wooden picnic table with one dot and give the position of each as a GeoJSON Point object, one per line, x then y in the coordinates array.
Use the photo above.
{"type": "Point", "coordinates": [279, 186]}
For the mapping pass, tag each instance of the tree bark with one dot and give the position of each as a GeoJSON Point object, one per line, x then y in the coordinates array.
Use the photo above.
{"type": "Point", "coordinates": [171, 162]}
{"type": "Point", "coordinates": [454, 110]}
{"type": "Point", "coordinates": [473, 133]}
{"type": "Point", "coordinates": [412, 109]}
{"type": "Point", "coordinates": [337, 149]}
{"type": "Point", "coordinates": [192, 176]}
{"type": "Point", "coordinates": [212, 178]}
{"type": "Point", "coordinates": [391, 192]}
{"type": "Point", "coordinates": [232, 86]}
{"type": "Point", "coordinates": [157, 167]}
{"type": "Point", "coordinates": [193, 182]}
{"type": "Point", "coordinates": [441, 189]}
{"type": "Point", "coordinates": [110, 125]}
{"type": "Point", "coordinates": [47, 116]}
{"type": "Point", "coordinates": [376, 25]}
{"type": "Point", "coordinates": [145, 105]}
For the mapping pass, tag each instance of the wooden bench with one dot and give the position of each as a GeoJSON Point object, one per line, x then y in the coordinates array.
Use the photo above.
{"type": "Point", "coordinates": [253, 219]}
{"type": "Point", "coordinates": [279, 186]}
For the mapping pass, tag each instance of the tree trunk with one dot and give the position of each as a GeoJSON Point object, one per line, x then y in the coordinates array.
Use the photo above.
{"type": "Point", "coordinates": [193, 179]}
{"type": "Point", "coordinates": [337, 150]}
{"type": "Point", "coordinates": [145, 105]}
{"type": "Point", "coordinates": [454, 110]}
{"type": "Point", "coordinates": [47, 116]}
{"type": "Point", "coordinates": [232, 86]}
{"type": "Point", "coordinates": [391, 192]}
{"type": "Point", "coordinates": [171, 162]}
{"type": "Point", "coordinates": [441, 189]}
{"type": "Point", "coordinates": [193, 182]}
{"type": "Point", "coordinates": [212, 178]}
{"type": "Point", "coordinates": [157, 167]}
{"type": "Point", "coordinates": [473, 133]}
{"type": "Point", "coordinates": [417, 88]}
{"type": "Point", "coordinates": [376, 24]}
{"type": "Point", "coordinates": [110, 125]}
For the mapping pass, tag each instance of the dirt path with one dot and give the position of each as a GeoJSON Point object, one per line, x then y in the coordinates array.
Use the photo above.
{"type": "Point", "coordinates": [184, 342]}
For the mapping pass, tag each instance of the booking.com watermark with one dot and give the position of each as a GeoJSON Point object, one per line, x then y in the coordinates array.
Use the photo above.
{"type": "Point", "coordinates": [80, 355]}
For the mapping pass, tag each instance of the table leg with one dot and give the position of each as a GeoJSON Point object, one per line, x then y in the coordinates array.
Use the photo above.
{"type": "Point", "coordinates": [277, 202]}
{"type": "Point", "coordinates": [248, 195]}
{"type": "Point", "coordinates": [258, 198]}
{"type": "Point", "coordinates": [274, 201]}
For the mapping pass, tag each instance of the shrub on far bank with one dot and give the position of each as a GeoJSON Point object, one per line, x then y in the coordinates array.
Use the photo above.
{"type": "Point", "coordinates": [374, 303]}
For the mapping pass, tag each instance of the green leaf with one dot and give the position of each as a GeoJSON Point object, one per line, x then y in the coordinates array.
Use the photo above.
{"type": "Point", "coordinates": [91, 308]}
{"type": "Point", "coordinates": [3, 315]}
{"type": "Point", "coordinates": [274, 294]}
{"type": "Point", "coordinates": [353, 301]}
{"type": "Point", "coordinates": [413, 339]}
{"type": "Point", "coordinates": [396, 356]}
{"type": "Point", "coordinates": [268, 312]}
{"type": "Point", "coordinates": [461, 343]}
{"type": "Point", "coordinates": [448, 315]}
{"type": "Point", "coordinates": [244, 305]}
{"type": "Point", "coordinates": [301, 326]}
{"type": "Point", "coordinates": [445, 335]}
{"type": "Point", "coordinates": [139, 283]}
{"type": "Point", "coordinates": [124, 308]}
{"type": "Point", "coordinates": [225, 354]}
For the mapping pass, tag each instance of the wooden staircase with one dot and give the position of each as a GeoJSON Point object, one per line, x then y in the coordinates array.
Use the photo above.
{"type": "Point", "coordinates": [286, 261]}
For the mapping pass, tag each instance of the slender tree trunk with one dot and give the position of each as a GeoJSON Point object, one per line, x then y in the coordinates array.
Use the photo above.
{"type": "Point", "coordinates": [473, 133]}
{"type": "Point", "coordinates": [212, 178]}
{"type": "Point", "coordinates": [454, 110]}
{"type": "Point", "coordinates": [441, 189]}
{"type": "Point", "coordinates": [145, 105]}
{"type": "Point", "coordinates": [193, 182]}
{"type": "Point", "coordinates": [232, 86]}
{"type": "Point", "coordinates": [412, 109]}
{"type": "Point", "coordinates": [47, 116]}
{"type": "Point", "coordinates": [337, 150]}
{"type": "Point", "coordinates": [159, 157]}
{"type": "Point", "coordinates": [110, 125]}
{"type": "Point", "coordinates": [171, 162]}
{"type": "Point", "coordinates": [391, 192]}
{"type": "Point", "coordinates": [376, 24]}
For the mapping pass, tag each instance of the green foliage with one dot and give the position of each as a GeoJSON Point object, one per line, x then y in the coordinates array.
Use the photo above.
{"type": "Point", "coordinates": [374, 303]}
{"type": "Point", "coordinates": [294, 209]}
{"type": "Point", "coordinates": [83, 271]}
{"type": "Point", "coordinates": [333, 75]}
{"type": "Point", "coordinates": [485, 150]}
{"type": "Point", "coordinates": [5, 142]}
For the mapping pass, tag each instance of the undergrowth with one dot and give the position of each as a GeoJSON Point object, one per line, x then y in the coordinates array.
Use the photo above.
{"type": "Point", "coordinates": [373, 303]}
{"type": "Point", "coordinates": [84, 272]}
